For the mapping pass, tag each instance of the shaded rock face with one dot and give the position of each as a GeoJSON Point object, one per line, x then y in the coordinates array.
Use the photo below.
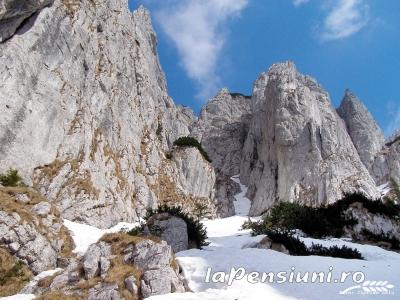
{"type": "Point", "coordinates": [171, 229]}
{"type": "Point", "coordinates": [365, 133]}
{"type": "Point", "coordinates": [386, 166]}
{"type": "Point", "coordinates": [221, 129]}
{"type": "Point", "coordinates": [14, 12]}
{"type": "Point", "coordinates": [32, 232]}
{"type": "Point", "coordinates": [87, 123]}
{"type": "Point", "coordinates": [298, 148]}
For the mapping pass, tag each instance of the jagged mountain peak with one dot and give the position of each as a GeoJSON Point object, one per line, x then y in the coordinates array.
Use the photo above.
{"type": "Point", "coordinates": [365, 133]}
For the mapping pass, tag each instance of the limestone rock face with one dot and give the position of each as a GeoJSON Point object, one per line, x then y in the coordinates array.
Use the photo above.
{"type": "Point", "coordinates": [298, 148]}
{"type": "Point", "coordinates": [376, 223]}
{"type": "Point", "coordinates": [386, 166]}
{"type": "Point", "coordinates": [86, 117]}
{"type": "Point", "coordinates": [14, 12]}
{"type": "Point", "coordinates": [186, 179]}
{"type": "Point", "coordinates": [32, 230]}
{"type": "Point", "coordinates": [365, 133]}
{"type": "Point", "coordinates": [221, 129]}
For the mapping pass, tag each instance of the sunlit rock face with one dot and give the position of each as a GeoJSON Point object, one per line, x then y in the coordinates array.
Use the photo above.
{"type": "Point", "coordinates": [298, 148]}
{"type": "Point", "coordinates": [221, 129]}
{"type": "Point", "coordinates": [86, 117]}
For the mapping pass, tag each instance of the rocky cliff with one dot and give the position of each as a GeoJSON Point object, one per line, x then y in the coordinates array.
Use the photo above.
{"type": "Point", "coordinates": [366, 135]}
{"type": "Point", "coordinates": [221, 129]}
{"type": "Point", "coordinates": [298, 148]}
{"type": "Point", "coordinates": [85, 122]}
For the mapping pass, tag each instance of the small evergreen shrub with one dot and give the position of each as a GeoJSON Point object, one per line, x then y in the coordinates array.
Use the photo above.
{"type": "Point", "coordinates": [287, 238]}
{"type": "Point", "coordinates": [197, 233]}
{"type": "Point", "coordinates": [382, 237]}
{"type": "Point", "coordinates": [137, 230]}
{"type": "Point", "coordinates": [335, 251]}
{"type": "Point", "coordinates": [373, 206]}
{"type": "Point", "coordinates": [396, 188]}
{"type": "Point", "coordinates": [188, 141]}
{"type": "Point", "coordinates": [315, 222]}
{"type": "Point", "coordinates": [320, 222]}
{"type": "Point", "coordinates": [11, 178]}
{"type": "Point", "coordinates": [297, 247]}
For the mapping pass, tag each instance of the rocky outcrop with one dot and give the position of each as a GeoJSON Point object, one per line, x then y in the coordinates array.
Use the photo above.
{"type": "Point", "coordinates": [377, 224]}
{"type": "Point", "coordinates": [119, 266]}
{"type": "Point", "coordinates": [186, 179]}
{"type": "Point", "coordinates": [171, 229]}
{"type": "Point", "coordinates": [386, 166]}
{"type": "Point", "coordinates": [14, 12]}
{"type": "Point", "coordinates": [88, 124]}
{"type": "Point", "coordinates": [298, 148]}
{"type": "Point", "coordinates": [221, 129]}
{"type": "Point", "coordinates": [365, 133]}
{"type": "Point", "coordinates": [31, 229]}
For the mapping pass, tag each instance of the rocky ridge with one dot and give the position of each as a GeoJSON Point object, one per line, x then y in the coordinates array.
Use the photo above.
{"type": "Point", "coordinates": [98, 121]}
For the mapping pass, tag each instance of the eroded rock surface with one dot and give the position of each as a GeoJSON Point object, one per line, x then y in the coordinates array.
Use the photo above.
{"type": "Point", "coordinates": [32, 230]}
{"type": "Point", "coordinates": [298, 148]}
{"type": "Point", "coordinates": [221, 129]}
{"type": "Point", "coordinates": [86, 115]}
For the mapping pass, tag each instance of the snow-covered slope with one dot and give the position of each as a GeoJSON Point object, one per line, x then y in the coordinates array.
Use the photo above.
{"type": "Point", "coordinates": [230, 248]}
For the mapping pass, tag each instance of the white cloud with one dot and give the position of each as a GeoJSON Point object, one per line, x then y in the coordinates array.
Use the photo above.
{"type": "Point", "coordinates": [300, 2]}
{"type": "Point", "coordinates": [394, 115]}
{"type": "Point", "coordinates": [198, 29]}
{"type": "Point", "coordinates": [345, 18]}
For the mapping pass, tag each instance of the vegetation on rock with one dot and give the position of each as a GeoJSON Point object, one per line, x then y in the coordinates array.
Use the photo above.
{"type": "Point", "coordinates": [14, 274]}
{"type": "Point", "coordinates": [197, 233]}
{"type": "Point", "coordinates": [188, 141]}
{"type": "Point", "coordinates": [322, 221]}
{"type": "Point", "coordinates": [11, 178]}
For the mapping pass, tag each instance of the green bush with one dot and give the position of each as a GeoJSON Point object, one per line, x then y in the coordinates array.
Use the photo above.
{"type": "Point", "coordinates": [320, 222]}
{"type": "Point", "coordinates": [382, 237]}
{"type": "Point", "coordinates": [297, 247]}
{"type": "Point", "coordinates": [315, 222]}
{"type": "Point", "coordinates": [287, 238]}
{"type": "Point", "coordinates": [197, 233]}
{"type": "Point", "coordinates": [373, 206]}
{"type": "Point", "coordinates": [188, 141]}
{"type": "Point", "coordinates": [11, 178]}
{"type": "Point", "coordinates": [335, 251]}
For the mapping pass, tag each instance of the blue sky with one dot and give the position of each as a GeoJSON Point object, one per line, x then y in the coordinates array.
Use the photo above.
{"type": "Point", "coordinates": [205, 45]}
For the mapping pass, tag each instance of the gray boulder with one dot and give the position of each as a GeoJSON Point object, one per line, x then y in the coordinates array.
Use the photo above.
{"type": "Point", "coordinates": [171, 229]}
{"type": "Point", "coordinates": [104, 291]}
{"type": "Point", "coordinates": [96, 260]}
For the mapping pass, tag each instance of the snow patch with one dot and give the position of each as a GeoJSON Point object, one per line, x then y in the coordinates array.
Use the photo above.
{"type": "Point", "coordinates": [84, 235]}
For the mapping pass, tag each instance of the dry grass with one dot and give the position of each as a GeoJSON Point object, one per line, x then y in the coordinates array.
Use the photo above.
{"type": "Point", "coordinates": [13, 274]}
{"type": "Point", "coordinates": [71, 6]}
{"type": "Point", "coordinates": [75, 181]}
{"type": "Point", "coordinates": [57, 295]}
{"type": "Point", "coordinates": [10, 205]}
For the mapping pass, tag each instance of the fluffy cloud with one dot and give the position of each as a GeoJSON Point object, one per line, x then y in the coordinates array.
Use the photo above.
{"type": "Point", "coordinates": [198, 29]}
{"type": "Point", "coordinates": [345, 18]}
